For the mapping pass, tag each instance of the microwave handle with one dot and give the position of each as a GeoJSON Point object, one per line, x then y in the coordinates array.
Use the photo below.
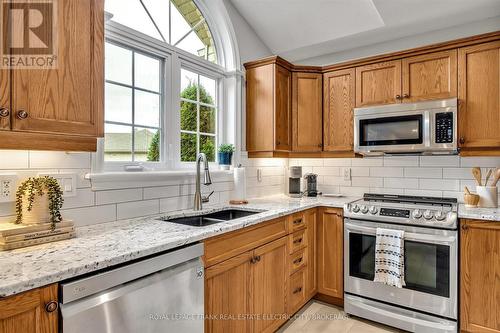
{"type": "Point", "coordinates": [444, 240]}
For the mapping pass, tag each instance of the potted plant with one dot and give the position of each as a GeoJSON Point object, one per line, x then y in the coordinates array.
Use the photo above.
{"type": "Point", "coordinates": [39, 200]}
{"type": "Point", "coordinates": [225, 155]}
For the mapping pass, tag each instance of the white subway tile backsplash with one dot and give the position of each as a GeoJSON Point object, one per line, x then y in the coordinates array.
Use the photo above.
{"type": "Point", "coordinates": [335, 180]}
{"type": "Point", "coordinates": [90, 215]}
{"type": "Point", "coordinates": [354, 191]}
{"type": "Point", "coordinates": [137, 209]}
{"type": "Point", "coordinates": [305, 162]}
{"type": "Point", "coordinates": [326, 171]}
{"type": "Point", "coordinates": [359, 172]}
{"type": "Point", "coordinates": [457, 173]}
{"type": "Point", "coordinates": [440, 161]}
{"type": "Point", "coordinates": [176, 203]}
{"type": "Point", "coordinates": [14, 159]}
{"type": "Point", "coordinates": [439, 184]}
{"type": "Point", "coordinates": [367, 181]}
{"type": "Point", "coordinates": [384, 190]}
{"type": "Point", "coordinates": [84, 197]}
{"type": "Point", "coordinates": [423, 172]}
{"type": "Point", "coordinates": [401, 161]}
{"type": "Point", "coordinates": [58, 160]}
{"type": "Point", "coordinates": [485, 162]}
{"type": "Point", "coordinates": [161, 192]}
{"type": "Point", "coordinates": [116, 196]}
{"type": "Point", "coordinates": [428, 193]}
{"type": "Point", "coordinates": [337, 162]}
{"type": "Point", "coordinates": [386, 172]}
{"type": "Point", "coordinates": [401, 183]}
{"type": "Point", "coordinates": [368, 161]}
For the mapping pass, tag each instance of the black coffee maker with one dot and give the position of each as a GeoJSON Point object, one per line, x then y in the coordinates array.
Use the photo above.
{"type": "Point", "coordinates": [311, 180]}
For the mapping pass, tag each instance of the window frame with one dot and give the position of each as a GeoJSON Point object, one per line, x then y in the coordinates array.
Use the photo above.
{"type": "Point", "coordinates": [173, 59]}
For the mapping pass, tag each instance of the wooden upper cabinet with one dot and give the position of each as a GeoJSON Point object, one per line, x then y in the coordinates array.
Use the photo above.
{"type": "Point", "coordinates": [331, 253]}
{"type": "Point", "coordinates": [378, 83]}
{"type": "Point", "coordinates": [479, 95]}
{"type": "Point", "coordinates": [33, 311]}
{"type": "Point", "coordinates": [69, 98]}
{"type": "Point", "coordinates": [282, 107]}
{"type": "Point", "coordinates": [338, 107]}
{"type": "Point", "coordinates": [430, 76]}
{"type": "Point", "coordinates": [268, 111]}
{"type": "Point", "coordinates": [270, 276]}
{"type": "Point", "coordinates": [227, 292]}
{"type": "Point", "coordinates": [307, 112]}
{"type": "Point", "coordinates": [480, 276]}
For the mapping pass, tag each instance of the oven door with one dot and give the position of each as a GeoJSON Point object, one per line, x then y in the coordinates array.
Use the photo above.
{"type": "Point", "coordinates": [430, 267]}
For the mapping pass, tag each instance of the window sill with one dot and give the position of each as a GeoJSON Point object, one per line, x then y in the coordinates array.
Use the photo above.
{"type": "Point", "coordinates": [121, 180]}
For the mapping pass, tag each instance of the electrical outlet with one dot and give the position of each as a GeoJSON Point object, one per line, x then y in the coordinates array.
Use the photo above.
{"type": "Point", "coordinates": [67, 181]}
{"type": "Point", "coordinates": [259, 175]}
{"type": "Point", "coordinates": [8, 183]}
{"type": "Point", "coordinates": [347, 174]}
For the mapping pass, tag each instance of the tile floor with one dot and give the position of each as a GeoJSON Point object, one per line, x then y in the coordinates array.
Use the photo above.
{"type": "Point", "coordinates": [318, 317]}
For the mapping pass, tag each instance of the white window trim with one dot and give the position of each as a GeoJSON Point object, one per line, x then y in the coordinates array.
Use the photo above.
{"type": "Point", "coordinates": [230, 94]}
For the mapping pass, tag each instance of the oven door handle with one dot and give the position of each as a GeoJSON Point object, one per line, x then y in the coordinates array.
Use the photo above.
{"type": "Point", "coordinates": [444, 240]}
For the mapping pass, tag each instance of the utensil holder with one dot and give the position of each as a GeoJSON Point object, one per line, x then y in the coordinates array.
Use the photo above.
{"type": "Point", "coordinates": [488, 196]}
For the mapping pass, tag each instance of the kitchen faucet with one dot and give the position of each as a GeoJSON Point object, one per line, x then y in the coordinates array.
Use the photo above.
{"type": "Point", "coordinates": [198, 199]}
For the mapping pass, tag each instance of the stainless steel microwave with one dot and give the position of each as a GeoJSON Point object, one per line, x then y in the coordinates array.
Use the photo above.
{"type": "Point", "coordinates": [405, 129]}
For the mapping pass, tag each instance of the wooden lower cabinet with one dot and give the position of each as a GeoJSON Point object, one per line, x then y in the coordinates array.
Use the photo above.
{"type": "Point", "coordinates": [310, 217]}
{"type": "Point", "coordinates": [480, 276]}
{"type": "Point", "coordinates": [331, 253]}
{"type": "Point", "coordinates": [34, 311]}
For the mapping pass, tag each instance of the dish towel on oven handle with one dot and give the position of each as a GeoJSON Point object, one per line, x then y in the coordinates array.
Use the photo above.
{"type": "Point", "coordinates": [389, 257]}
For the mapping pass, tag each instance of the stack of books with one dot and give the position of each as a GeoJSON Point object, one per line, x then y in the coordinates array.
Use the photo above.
{"type": "Point", "coordinates": [14, 236]}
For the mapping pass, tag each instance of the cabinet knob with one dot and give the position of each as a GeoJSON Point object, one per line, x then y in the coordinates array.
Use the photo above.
{"type": "Point", "coordinates": [406, 96]}
{"type": "Point", "coordinates": [51, 306]}
{"type": "Point", "coordinates": [462, 140]}
{"type": "Point", "coordinates": [398, 96]}
{"type": "Point", "coordinates": [297, 221]}
{"type": "Point", "coordinates": [297, 261]}
{"type": "Point", "coordinates": [297, 241]}
{"type": "Point", "coordinates": [297, 290]}
{"type": "Point", "coordinates": [320, 145]}
{"type": "Point", "coordinates": [4, 112]}
{"type": "Point", "coordinates": [465, 227]}
{"type": "Point", "coordinates": [22, 114]}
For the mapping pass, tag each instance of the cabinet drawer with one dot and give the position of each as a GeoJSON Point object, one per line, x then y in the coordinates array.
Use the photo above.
{"type": "Point", "coordinates": [296, 222]}
{"type": "Point", "coordinates": [297, 291]}
{"type": "Point", "coordinates": [226, 246]}
{"type": "Point", "coordinates": [297, 240]}
{"type": "Point", "coordinates": [298, 260]}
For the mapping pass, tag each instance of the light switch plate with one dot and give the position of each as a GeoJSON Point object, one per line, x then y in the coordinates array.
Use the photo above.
{"type": "Point", "coordinates": [67, 181]}
{"type": "Point", "coordinates": [8, 187]}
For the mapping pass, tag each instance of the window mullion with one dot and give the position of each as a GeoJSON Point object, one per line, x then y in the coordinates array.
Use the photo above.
{"type": "Point", "coordinates": [133, 107]}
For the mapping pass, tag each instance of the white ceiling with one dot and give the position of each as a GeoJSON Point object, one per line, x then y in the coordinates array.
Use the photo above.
{"type": "Point", "coordinates": [298, 29]}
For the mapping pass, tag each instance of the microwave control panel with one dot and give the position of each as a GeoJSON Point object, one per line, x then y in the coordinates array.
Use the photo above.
{"type": "Point", "coordinates": [444, 127]}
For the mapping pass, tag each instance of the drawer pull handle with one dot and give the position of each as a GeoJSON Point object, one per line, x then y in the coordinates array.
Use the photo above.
{"type": "Point", "coordinates": [297, 241]}
{"type": "Point", "coordinates": [51, 306]}
{"type": "Point", "coordinates": [298, 221]}
{"type": "Point", "coordinates": [297, 261]}
{"type": "Point", "coordinates": [406, 96]}
{"type": "Point", "coordinates": [255, 259]}
{"type": "Point", "coordinates": [298, 290]}
{"type": "Point", "coordinates": [398, 96]}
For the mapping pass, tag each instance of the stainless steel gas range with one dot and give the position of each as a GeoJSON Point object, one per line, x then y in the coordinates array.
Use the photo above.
{"type": "Point", "coordinates": [429, 301]}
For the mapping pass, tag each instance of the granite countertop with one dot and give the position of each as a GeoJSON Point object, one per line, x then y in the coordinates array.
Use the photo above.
{"type": "Point", "coordinates": [107, 244]}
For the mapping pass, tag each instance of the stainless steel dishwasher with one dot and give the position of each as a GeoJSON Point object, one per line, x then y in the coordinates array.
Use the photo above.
{"type": "Point", "coordinates": [159, 294]}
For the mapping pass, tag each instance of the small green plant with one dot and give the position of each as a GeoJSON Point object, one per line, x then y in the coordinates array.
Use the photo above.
{"type": "Point", "coordinates": [39, 186]}
{"type": "Point", "coordinates": [226, 148]}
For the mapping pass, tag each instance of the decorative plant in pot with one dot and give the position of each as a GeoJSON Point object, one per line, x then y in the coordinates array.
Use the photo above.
{"type": "Point", "coordinates": [225, 155]}
{"type": "Point", "coordinates": [39, 200]}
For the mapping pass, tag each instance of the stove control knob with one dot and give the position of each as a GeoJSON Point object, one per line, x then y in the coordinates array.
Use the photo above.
{"type": "Point", "coordinates": [417, 213]}
{"type": "Point", "coordinates": [440, 215]}
{"type": "Point", "coordinates": [428, 214]}
{"type": "Point", "coordinates": [355, 208]}
{"type": "Point", "coordinates": [364, 209]}
{"type": "Point", "coordinates": [373, 210]}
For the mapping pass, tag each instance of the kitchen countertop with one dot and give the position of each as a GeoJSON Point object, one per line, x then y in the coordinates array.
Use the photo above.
{"type": "Point", "coordinates": [108, 244]}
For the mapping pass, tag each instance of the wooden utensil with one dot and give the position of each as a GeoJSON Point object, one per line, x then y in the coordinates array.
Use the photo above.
{"type": "Point", "coordinates": [466, 190]}
{"type": "Point", "coordinates": [496, 177]}
{"type": "Point", "coordinates": [476, 172]}
{"type": "Point", "coordinates": [487, 177]}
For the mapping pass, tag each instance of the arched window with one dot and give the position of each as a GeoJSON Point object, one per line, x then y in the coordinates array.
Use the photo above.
{"type": "Point", "coordinates": [164, 82]}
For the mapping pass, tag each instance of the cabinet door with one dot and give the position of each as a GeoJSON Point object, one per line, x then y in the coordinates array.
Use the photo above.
{"type": "Point", "coordinates": [69, 98]}
{"type": "Point", "coordinates": [33, 311]}
{"type": "Point", "coordinates": [378, 83]}
{"type": "Point", "coordinates": [330, 253]}
{"type": "Point", "coordinates": [480, 276]}
{"type": "Point", "coordinates": [479, 94]}
{"type": "Point", "coordinates": [282, 108]}
{"type": "Point", "coordinates": [430, 76]}
{"type": "Point", "coordinates": [260, 108]}
{"type": "Point", "coordinates": [338, 110]}
{"type": "Point", "coordinates": [270, 278]}
{"type": "Point", "coordinates": [312, 278]}
{"type": "Point", "coordinates": [307, 112]}
{"type": "Point", "coordinates": [227, 294]}
{"type": "Point", "coordinates": [4, 80]}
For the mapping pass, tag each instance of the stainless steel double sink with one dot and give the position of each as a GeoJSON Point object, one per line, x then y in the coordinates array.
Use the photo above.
{"type": "Point", "coordinates": [213, 218]}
